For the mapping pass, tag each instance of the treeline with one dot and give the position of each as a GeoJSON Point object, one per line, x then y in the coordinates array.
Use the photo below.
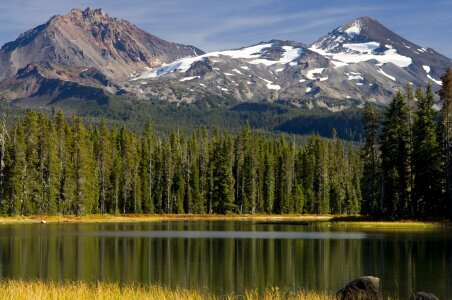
{"type": "Point", "coordinates": [407, 156]}
{"type": "Point", "coordinates": [55, 165]}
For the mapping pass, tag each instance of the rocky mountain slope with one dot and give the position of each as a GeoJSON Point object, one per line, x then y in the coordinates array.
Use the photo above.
{"type": "Point", "coordinates": [88, 55]}
{"type": "Point", "coordinates": [73, 46]}
{"type": "Point", "coordinates": [359, 61]}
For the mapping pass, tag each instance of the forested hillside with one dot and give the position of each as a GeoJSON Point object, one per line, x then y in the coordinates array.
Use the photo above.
{"type": "Point", "coordinates": [58, 166]}
{"type": "Point", "coordinates": [55, 165]}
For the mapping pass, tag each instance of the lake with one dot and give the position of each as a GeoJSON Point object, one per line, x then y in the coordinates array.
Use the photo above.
{"type": "Point", "coordinates": [230, 256]}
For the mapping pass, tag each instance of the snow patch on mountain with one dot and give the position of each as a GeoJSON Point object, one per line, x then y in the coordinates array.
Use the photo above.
{"type": "Point", "coordinates": [189, 78]}
{"type": "Point", "coordinates": [253, 53]}
{"type": "Point", "coordinates": [438, 82]}
{"type": "Point", "coordinates": [355, 77]}
{"type": "Point", "coordinates": [270, 85]}
{"type": "Point", "coordinates": [354, 29]}
{"type": "Point", "coordinates": [363, 48]}
{"type": "Point", "coordinates": [389, 56]}
{"type": "Point", "coordinates": [427, 69]}
{"type": "Point", "coordinates": [311, 74]}
{"type": "Point", "coordinates": [290, 54]}
{"type": "Point", "coordinates": [387, 75]}
{"type": "Point", "coordinates": [338, 64]}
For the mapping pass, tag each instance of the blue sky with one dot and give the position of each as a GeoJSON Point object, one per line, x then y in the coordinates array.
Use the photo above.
{"type": "Point", "coordinates": [222, 24]}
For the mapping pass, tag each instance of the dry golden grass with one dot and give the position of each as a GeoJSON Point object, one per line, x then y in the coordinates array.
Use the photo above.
{"type": "Point", "coordinates": [24, 290]}
{"type": "Point", "coordinates": [327, 220]}
{"type": "Point", "coordinates": [156, 218]}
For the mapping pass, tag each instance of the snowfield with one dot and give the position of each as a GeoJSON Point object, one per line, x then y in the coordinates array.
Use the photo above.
{"type": "Point", "coordinates": [252, 53]}
{"type": "Point", "coordinates": [363, 48]}
{"type": "Point", "coordinates": [389, 56]}
{"type": "Point", "coordinates": [356, 61]}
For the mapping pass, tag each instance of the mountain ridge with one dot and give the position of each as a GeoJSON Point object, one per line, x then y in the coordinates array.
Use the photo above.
{"type": "Point", "coordinates": [359, 61]}
{"type": "Point", "coordinates": [90, 38]}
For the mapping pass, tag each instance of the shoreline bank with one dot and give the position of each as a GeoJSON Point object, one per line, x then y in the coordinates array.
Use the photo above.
{"type": "Point", "coordinates": [267, 219]}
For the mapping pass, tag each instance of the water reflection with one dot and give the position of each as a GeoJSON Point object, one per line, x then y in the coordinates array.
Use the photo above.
{"type": "Point", "coordinates": [228, 256]}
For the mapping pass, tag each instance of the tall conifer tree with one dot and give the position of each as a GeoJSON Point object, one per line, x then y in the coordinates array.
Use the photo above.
{"type": "Point", "coordinates": [371, 159]}
{"type": "Point", "coordinates": [446, 132]}
{"type": "Point", "coordinates": [426, 158]}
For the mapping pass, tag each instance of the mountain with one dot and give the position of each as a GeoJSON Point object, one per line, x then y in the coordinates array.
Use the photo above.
{"type": "Point", "coordinates": [75, 46]}
{"type": "Point", "coordinates": [87, 55]}
{"type": "Point", "coordinates": [366, 40]}
{"type": "Point", "coordinates": [359, 61]}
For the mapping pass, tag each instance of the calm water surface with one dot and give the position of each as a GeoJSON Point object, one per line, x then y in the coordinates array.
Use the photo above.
{"type": "Point", "coordinates": [225, 256]}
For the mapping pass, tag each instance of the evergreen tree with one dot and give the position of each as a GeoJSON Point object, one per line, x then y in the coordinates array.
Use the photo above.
{"type": "Point", "coordinates": [103, 149]}
{"type": "Point", "coordinates": [269, 181]}
{"type": "Point", "coordinates": [32, 186]}
{"type": "Point", "coordinates": [115, 174]}
{"type": "Point", "coordinates": [147, 170]}
{"type": "Point", "coordinates": [84, 196]}
{"type": "Point", "coordinates": [196, 196]}
{"type": "Point", "coordinates": [446, 132]}
{"type": "Point", "coordinates": [52, 168]}
{"type": "Point", "coordinates": [284, 179]}
{"type": "Point", "coordinates": [395, 159]}
{"type": "Point", "coordinates": [308, 165]}
{"type": "Point", "coordinates": [426, 158]}
{"type": "Point", "coordinates": [371, 159]}
{"type": "Point", "coordinates": [18, 171]}
{"type": "Point", "coordinates": [3, 143]}
{"type": "Point", "coordinates": [168, 174]}
{"type": "Point", "coordinates": [222, 176]}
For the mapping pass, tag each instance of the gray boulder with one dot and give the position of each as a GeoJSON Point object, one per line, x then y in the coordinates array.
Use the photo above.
{"type": "Point", "coordinates": [423, 296]}
{"type": "Point", "coordinates": [367, 287]}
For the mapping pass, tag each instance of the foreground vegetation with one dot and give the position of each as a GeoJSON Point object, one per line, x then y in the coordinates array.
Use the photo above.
{"type": "Point", "coordinates": [102, 291]}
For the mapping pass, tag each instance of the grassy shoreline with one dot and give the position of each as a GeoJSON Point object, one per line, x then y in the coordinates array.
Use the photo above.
{"type": "Point", "coordinates": [17, 289]}
{"type": "Point", "coordinates": [276, 219]}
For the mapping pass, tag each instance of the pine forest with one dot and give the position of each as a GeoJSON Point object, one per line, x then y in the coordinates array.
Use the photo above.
{"type": "Point", "coordinates": [57, 165]}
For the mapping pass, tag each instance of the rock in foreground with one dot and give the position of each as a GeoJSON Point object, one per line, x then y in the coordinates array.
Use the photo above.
{"type": "Point", "coordinates": [367, 287]}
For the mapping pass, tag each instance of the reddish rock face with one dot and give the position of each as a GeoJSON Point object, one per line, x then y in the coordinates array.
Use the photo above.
{"type": "Point", "coordinates": [90, 39]}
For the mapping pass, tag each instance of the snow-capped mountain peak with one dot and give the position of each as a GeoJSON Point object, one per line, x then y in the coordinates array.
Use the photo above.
{"type": "Point", "coordinates": [360, 60]}
{"type": "Point", "coordinates": [359, 41]}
